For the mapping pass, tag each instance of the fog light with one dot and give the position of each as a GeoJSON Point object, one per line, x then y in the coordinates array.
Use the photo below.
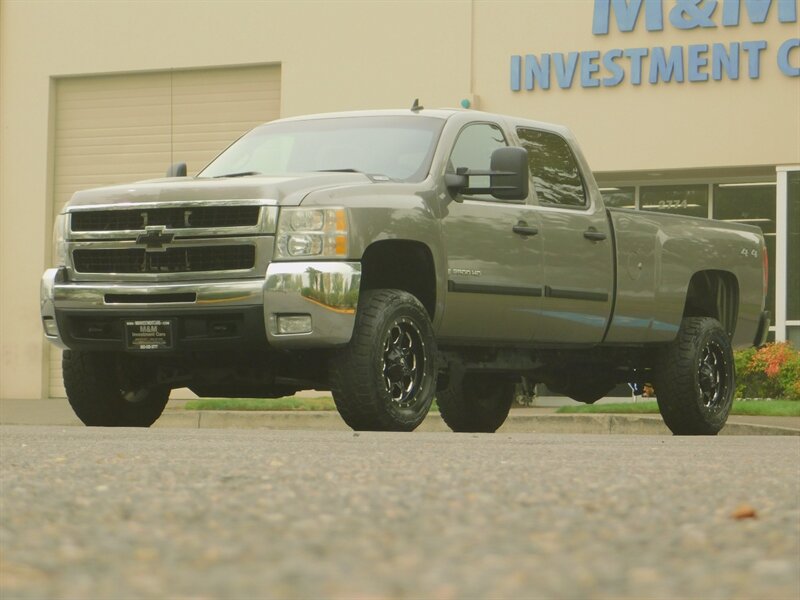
{"type": "Point", "coordinates": [294, 323]}
{"type": "Point", "coordinates": [50, 326]}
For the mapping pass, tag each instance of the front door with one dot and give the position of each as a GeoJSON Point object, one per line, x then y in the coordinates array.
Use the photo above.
{"type": "Point", "coordinates": [494, 279]}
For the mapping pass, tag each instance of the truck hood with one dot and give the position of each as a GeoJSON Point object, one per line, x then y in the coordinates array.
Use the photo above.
{"type": "Point", "coordinates": [287, 190]}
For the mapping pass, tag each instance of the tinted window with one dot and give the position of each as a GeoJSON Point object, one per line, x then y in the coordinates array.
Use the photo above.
{"type": "Point", "coordinates": [473, 150]}
{"type": "Point", "coordinates": [555, 173]}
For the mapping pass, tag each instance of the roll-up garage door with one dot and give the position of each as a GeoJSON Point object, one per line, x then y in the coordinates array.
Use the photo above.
{"type": "Point", "coordinates": [123, 128]}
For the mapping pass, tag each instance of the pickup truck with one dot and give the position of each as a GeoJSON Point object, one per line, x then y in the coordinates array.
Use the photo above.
{"type": "Point", "coordinates": [392, 257]}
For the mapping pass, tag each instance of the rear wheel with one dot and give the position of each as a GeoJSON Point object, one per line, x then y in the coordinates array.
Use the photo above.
{"type": "Point", "coordinates": [384, 380]}
{"type": "Point", "coordinates": [112, 390]}
{"type": "Point", "coordinates": [695, 378]}
{"type": "Point", "coordinates": [475, 402]}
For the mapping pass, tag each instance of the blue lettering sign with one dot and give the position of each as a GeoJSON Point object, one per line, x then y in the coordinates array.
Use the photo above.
{"type": "Point", "coordinates": [589, 67]}
{"type": "Point", "coordinates": [697, 60]}
{"type": "Point", "coordinates": [665, 68]}
{"type": "Point", "coordinates": [757, 11]}
{"type": "Point", "coordinates": [537, 71]}
{"type": "Point", "coordinates": [724, 60]}
{"type": "Point", "coordinates": [627, 14]}
{"type": "Point", "coordinates": [689, 14]}
{"type": "Point", "coordinates": [516, 68]}
{"type": "Point", "coordinates": [754, 50]}
{"type": "Point", "coordinates": [617, 72]}
{"type": "Point", "coordinates": [783, 57]}
{"type": "Point", "coordinates": [565, 72]}
{"type": "Point", "coordinates": [636, 55]}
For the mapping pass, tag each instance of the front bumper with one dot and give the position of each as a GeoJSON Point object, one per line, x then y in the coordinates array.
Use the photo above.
{"type": "Point", "coordinates": [326, 292]}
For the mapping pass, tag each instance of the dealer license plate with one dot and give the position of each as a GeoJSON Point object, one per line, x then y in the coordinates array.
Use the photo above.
{"type": "Point", "coordinates": [149, 335]}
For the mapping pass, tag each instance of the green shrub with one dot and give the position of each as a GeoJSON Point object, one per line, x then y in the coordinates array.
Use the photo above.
{"type": "Point", "coordinates": [772, 371]}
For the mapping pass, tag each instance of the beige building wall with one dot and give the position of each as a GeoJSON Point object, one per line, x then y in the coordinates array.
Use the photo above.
{"type": "Point", "coordinates": [350, 55]}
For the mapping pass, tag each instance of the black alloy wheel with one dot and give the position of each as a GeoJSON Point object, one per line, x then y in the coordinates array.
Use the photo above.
{"type": "Point", "coordinates": [694, 378]}
{"type": "Point", "coordinates": [385, 378]}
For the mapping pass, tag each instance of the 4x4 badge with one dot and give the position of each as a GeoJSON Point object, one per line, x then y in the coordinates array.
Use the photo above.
{"type": "Point", "coordinates": [155, 238]}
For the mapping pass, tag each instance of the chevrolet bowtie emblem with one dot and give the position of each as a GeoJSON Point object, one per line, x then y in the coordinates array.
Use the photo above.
{"type": "Point", "coordinates": [155, 238]}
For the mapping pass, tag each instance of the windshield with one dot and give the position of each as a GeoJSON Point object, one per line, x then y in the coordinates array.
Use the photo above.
{"type": "Point", "coordinates": [399, 147]}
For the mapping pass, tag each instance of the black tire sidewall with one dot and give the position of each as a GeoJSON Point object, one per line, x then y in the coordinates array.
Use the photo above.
{"type": "Point", "coordinates": [678, 389]}
{"type": "Point", "coordinates": [93, 391]}
{"type": "Point", "coordinates": [463, 407]}
{"type": "Point", "coordinates": [357, 380]}
{"type": "Point", "coordinates": [411, 416]}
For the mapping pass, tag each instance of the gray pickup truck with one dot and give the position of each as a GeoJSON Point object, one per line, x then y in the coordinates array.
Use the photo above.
{"type": "Point", "coordinates": [393, 257]}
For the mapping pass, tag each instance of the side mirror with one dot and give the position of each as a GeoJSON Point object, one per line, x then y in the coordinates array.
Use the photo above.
{"type": "Point", "coordinates": [508, 176]}
{"type": "Point", "coordinates": [177, 170]}
{"type": "Point", "coordinates": [509, 179]}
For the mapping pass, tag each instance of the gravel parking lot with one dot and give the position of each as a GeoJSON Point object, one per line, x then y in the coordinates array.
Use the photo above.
{"type": "Point", "coordinates": [98, 513]}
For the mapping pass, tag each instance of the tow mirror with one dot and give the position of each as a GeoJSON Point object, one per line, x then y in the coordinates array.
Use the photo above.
{"type": "Point", "coordinates": [177, 170]}
{"type": "Point", "coordinates": [509, 173]}
{"type": "Point", "coordinates": [508, 176]}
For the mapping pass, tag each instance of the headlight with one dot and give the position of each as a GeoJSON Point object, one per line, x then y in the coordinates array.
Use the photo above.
{"type": "Point", "coordinates": [60, 241]}
{"type": "Point", "coordinates": [306, 232]}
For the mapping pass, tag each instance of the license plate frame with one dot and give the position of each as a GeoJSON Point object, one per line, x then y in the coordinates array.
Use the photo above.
{"type": "Point", "coordinates": [149, 335]}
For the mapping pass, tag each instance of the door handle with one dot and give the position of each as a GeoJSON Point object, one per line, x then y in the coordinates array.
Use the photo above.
{"type": "Point", "coordinates": [594, 235]}
{"type": "Point", "coordinates": [523, 228]}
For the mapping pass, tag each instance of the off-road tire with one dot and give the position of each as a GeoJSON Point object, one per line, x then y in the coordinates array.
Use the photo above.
{"type": "Point", "coordinates": [694, 378]}
{"type": "Point", "coordinates": [385, 378]}
{"type": "Point", "coordinates": [475, 402]}
{"type": "Point", "coordinates": [97, 390]}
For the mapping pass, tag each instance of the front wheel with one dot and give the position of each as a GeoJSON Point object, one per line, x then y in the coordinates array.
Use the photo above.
{"type": "Point", "coordinates": [694, 378]}
{"type": "Point", "coordinates": [384, 380]}
{"type": "Point", "coordinates": [112, 390]}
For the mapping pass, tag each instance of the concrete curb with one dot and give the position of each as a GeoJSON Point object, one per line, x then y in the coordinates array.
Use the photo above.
{"type": "Point", "coordinates": [568, 423]}
{"type": "Point", "coordinates": [58, 412]}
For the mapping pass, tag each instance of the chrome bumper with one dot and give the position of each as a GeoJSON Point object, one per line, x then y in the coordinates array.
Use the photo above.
{"type": "Point", "coordinates": [325, 291]}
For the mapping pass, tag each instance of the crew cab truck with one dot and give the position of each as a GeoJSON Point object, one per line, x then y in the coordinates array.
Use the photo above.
{"type": "Point", "coordinates": [390, 257]}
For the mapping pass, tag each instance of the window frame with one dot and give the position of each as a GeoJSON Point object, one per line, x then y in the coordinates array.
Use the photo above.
{"type": "Point", "coordinates": [587, 205]}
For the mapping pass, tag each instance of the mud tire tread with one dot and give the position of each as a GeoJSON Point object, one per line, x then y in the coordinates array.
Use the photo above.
{"type": "Point", "coordinates": [94, 394]}
{"type": "Point", "coordinates": [461, 409]}
{"type": "Point", "coordinates": [676, 385]}
{"type": "Point", "coordinates": [353, 374]}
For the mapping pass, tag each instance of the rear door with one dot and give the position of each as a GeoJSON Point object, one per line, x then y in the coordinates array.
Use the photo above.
{"type": "Point", "coordinates": [494, 279]}
{"type": "Point", "coordinates": [578, 252]}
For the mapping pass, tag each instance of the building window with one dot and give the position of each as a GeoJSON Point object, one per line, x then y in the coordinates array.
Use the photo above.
{"type": "Point", "coordinates": [688, 200]}
{"type": "Point", "coordinates": [751, 204]}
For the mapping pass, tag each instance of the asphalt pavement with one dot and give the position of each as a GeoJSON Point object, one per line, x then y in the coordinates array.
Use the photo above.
{"type": "Point", "coordinates": [209, 513]}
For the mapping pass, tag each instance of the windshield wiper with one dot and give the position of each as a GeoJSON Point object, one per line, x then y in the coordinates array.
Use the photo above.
{"type": "Point", "coordinates": [338, 171]}
{"type": "Point", "coordinates": [242, 174]}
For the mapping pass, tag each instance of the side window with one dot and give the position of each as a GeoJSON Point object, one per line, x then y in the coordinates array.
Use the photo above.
{"type": "Point", "coordinates": [554, 170]}
{"type": "Point", "coordinates": [473, 150]}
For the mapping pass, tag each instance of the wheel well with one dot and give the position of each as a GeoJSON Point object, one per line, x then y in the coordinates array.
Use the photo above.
{"type": "Point", "coordinates": [714, 294]}
{"type": "Point", "coordinates": [402, 265]}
